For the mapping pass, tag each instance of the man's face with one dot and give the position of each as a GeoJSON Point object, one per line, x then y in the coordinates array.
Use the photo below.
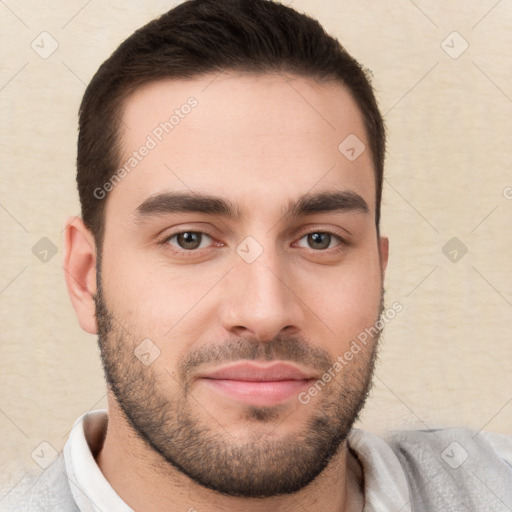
{"type": "Point", "coordinates": [215, 315]}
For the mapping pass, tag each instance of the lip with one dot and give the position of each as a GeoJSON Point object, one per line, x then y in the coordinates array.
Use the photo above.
{"type": "Point", "coordinates": [259, 384]}
{"type": "Point", "coordinates": [259, 372]}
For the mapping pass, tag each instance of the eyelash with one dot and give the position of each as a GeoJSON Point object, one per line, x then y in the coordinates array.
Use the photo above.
{"type": "Point", "coordinates": [192, 252]}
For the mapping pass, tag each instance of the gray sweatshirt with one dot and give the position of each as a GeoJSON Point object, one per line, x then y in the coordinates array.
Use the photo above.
{"type": "Point", "coordinates": [439, 470]}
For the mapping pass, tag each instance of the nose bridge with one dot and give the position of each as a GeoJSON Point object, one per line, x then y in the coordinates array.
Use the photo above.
{"type": "Point", "coordinates": [259, 302]}
{"type": "Point", "coordinates": [264, 282]}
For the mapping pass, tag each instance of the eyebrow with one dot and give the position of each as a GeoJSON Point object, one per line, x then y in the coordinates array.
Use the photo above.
{"type": "Point", "coordinates": [193, 202]}
{"type": "Point", "coordinates": [179, 202]}
{"type": "Point", "coordinates": [325, 202]}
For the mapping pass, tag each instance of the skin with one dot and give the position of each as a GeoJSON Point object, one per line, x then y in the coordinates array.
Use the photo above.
{"type": "Point", "coordinates": [259, 141]}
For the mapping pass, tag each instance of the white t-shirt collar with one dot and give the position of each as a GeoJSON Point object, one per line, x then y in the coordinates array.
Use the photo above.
{"type": "Point", "coordinates": [89, 487]}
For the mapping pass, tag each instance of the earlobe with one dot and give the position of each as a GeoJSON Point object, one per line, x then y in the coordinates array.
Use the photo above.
{"type": "Point", "coordinates": [80, 271]}
{"type": "Point", "coordinates": [384, 253]}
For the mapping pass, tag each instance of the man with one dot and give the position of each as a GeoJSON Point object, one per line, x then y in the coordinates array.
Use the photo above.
{"type": "Point", "coordinates": [229, 257]}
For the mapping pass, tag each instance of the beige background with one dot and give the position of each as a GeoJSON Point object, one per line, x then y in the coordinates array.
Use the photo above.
{"type": "Point", "coordinates": [445, 360]}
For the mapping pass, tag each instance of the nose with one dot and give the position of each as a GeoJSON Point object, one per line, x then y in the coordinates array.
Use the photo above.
{"type": "Point", "coordinates": [259, 301]}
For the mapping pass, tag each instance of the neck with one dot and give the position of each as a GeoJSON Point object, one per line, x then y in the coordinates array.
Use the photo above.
{"type": "Point", "coordinates": [147, 482]}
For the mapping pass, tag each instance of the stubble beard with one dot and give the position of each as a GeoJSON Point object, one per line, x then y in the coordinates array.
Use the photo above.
{"type": "Point", "coordinates": [187, 437]}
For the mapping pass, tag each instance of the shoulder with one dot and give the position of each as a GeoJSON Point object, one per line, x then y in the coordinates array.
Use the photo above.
{"type": "Point", "coordinates": [456, 467]}
{"type": "Point", "coordinates": [49, 490]}
{"type": "Point", "coordinates": [454, 445]}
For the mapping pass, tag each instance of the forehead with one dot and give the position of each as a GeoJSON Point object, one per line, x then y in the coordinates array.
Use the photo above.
{"type": "Point", "coordinates": [247, 137]}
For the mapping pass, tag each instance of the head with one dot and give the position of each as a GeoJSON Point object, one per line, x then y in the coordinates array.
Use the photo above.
{"type": "Point", "coordinates": [230, 167]}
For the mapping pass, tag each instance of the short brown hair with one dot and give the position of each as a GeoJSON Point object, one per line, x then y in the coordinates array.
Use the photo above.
{"type": "Point", "coordinates": [204, 36]}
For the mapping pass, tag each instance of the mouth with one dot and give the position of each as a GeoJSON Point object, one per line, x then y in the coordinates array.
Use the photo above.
{"type": "Point", "coordinates": [258, 384]}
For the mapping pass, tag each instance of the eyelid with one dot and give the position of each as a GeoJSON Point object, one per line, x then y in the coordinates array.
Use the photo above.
{"type": "Point", "coordinates": [340, 234]}
{"type": "Point", "coordinates": [189, 231]}
{"type": "Point", "coordinates": [165, 241]}
{"type": "Point", "coordinates": [186, 227]}
{"type": "Point", "coordinates": [342, 243]}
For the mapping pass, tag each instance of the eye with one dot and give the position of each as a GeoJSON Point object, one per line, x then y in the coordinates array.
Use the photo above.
{"type": "Point", "coordinates": [320, 240]}
{"type": "Point", "coordinates": [189, 240]}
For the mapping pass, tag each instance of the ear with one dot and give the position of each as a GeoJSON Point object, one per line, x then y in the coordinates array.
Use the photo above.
{"type": "Point", "coordinates": [80, 271]}
{"type": "Point", "coordinates": [383, 253]}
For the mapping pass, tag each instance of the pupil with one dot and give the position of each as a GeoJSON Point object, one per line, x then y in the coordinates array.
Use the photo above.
{"type": "Point", "coordinates": [323, 239]}
{"type": "Point", "coordinates": [189, 240]}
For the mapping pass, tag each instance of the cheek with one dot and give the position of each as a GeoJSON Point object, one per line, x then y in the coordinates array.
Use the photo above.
{"type": "Point", "coordinates": [345, 302]}
{"type": "Point", "coordinates": [159, 300]}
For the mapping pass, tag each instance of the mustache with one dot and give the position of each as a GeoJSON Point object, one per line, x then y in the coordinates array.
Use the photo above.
{"type": "Point", "coordinates": [290, 348]}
